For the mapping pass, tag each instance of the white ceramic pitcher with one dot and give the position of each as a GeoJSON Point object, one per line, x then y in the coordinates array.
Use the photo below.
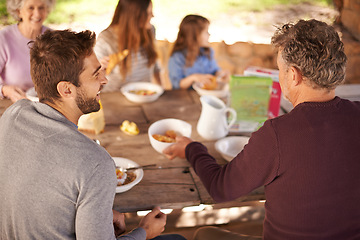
{"type": "Point", "coordinates": [213, 122]}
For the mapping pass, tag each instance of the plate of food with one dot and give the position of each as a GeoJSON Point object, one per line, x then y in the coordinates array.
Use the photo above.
{"type": "Point", "coordinates": [162, 133]}
{"type": "Point", "coordinates": [32, 94]}
{"type": "Point", "coordinates": [141, 92]}
{"type": "Point", "coordinates": [229, 147]}
{"type": "Point", "coordinates": [127, 179]}
{"type": "Point", "coordinates": [216, 88]}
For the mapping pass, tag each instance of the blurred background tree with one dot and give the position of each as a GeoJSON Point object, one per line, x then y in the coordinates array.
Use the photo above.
{"type": "Point", "coordinates": [68, 11]}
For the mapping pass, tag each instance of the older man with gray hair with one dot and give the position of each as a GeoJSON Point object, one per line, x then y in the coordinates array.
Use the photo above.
{"type": "Point", "coordinates": [308, 159]}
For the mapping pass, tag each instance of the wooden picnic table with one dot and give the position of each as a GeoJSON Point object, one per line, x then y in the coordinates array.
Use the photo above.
{"type": "Point", "coordinates": [172, 183]}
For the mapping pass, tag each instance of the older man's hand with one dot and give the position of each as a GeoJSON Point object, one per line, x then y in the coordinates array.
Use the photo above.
{"type": "Point", "coordinates": [177, 149]}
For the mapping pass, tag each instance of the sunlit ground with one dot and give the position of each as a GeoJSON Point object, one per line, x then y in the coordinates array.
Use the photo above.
{"type": "Point", "coordinates": [206, 215]}
{"type": "Point", "coordinates": [256, 27]}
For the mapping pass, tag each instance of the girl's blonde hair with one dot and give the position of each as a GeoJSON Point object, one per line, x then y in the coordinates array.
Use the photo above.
{"type": "Point", "coordinates": [189, 31]}
{"type": "Point", "coordinates": [129, 22]}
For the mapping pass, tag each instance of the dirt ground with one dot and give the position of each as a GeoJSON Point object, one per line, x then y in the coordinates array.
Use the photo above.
{"type": "Point", "coordinates": [231, 27]}
{"type": "Point", "coordinates": [256, 27]}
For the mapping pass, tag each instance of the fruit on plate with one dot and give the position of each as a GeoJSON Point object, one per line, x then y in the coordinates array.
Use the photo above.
{"type": "Point", "coordinates": [169, 136]}
{"type": "Point", "coordinates": [129, 128]}
{"type": "Point", "coordinates": [212, 85]}
{"type": "Point", "coordinates": [143, 92]}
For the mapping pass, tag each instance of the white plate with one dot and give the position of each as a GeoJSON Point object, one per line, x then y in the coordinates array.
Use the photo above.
{"type": "Point", "coordinates": [160, 127]}
{"type": "Point", "coordinates": [127, 163]}
{"type": "Point", "coordinates": [32, 95]}
{"type": "Point", "coordinates": [221, 92]}
{"type": "Point", "coordinates": [229, 147]}
{"type": "Point", "coordinates": [141, 86]}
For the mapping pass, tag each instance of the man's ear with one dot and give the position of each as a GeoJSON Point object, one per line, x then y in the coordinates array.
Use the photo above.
{"type": "Point", "coordinates": [65, 89]}
{"type": "Point", "coordinates": [296, 76]}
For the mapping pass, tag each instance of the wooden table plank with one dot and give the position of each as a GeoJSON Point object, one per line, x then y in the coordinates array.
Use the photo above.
{"type": "Point", "coordinates": [172, 96]}
{"type": "Point", "coordinates": [136, 148]}
{"type": "Point", "coordinates": [172, 183]}
{"type": "Point", "coordinates": [176, 110]}
{"type": "Point", "coordinates": [160, 188]}
{"type": "Point", "coordinates": [178, 104]}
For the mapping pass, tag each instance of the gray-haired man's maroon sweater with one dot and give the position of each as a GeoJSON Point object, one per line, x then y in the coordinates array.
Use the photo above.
{"type": "Point", "coordinates": [309, 162]}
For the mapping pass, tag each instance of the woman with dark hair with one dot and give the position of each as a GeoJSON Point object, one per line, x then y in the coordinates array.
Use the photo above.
{"type": "Point", "coordinates": [192, 58]}
{"type": "Point", "coordinates": [130, 33]}
{"type": "Point", "coordinates": [15, 76]}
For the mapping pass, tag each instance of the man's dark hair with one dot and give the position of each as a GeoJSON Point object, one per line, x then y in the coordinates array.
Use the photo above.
{"type": "Point", "coordinates": [315, 49]}
{"type": "Point", "coordinates": [57, 56]}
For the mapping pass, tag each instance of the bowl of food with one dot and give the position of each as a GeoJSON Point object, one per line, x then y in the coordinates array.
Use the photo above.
{"type": "Point", "coordinates": [127, 179]}
{"type": "Point", "coordinates": [32, 94]}
{"type": "Point", "coordinates": [217, 89]}
{"type": "Point", "coordinates": [162, 133]}
{"type": "Point", "coordinates": [141, 92]}
{"type": "Point", "coordinates": [229, 147]}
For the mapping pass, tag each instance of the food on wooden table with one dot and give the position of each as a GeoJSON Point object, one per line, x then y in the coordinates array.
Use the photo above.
{"type": "Point", "coordinates": [129, 128]}
{"type": "Point", "coordinates": [115, 59]}
{"type": "Point", "coordinates": [143, 92]}
{"type": "Point", "coordinates": [169, 136]}
{"type": "Point", "coordinates": [124, 177]}
{"type": "Point", "coordinates": [211, 86]}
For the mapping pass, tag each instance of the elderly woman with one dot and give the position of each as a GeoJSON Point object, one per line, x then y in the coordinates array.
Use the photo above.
{"type": "Point", "coordinates": [14, 50]}
{"type": "Point", "coordinates": [130, 32]}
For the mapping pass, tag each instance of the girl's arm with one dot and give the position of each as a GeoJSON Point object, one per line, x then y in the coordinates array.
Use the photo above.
{"type": "Point", "coordinates": [204, 79]}
{"type": "Point", "coordinates": [177, 76]}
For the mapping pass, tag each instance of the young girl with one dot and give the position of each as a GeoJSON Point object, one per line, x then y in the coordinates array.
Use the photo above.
{"type": "Point", "coordinates": [192, 59]}
{"type": "Point", "coordinates": [130, 31]}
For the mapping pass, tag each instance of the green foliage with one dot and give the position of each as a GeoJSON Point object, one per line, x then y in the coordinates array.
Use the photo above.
{"type": "Point", "coordinates": [215, 7]}
{"type": "Point", "coordinates": [67, 11]}
{"type": "Point", "coordinates": [3, 11]}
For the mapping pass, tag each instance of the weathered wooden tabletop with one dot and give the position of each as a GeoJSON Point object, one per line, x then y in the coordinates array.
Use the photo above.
{"type": "Point", "coordinates": [172, 183]}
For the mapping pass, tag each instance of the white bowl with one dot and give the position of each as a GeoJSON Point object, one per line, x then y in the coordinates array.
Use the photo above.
{"type": "Point", "coordinates": [221, 91]}
{"type": "Point", "coordinates": [32, 95]}
{"type": "Point", "coordinates": [127, 163]}
{"type": "Point", "coordinates": [133, 97]}
{"type": "Point", "coordinates": [229, 147]}
{"type": "Point", "coordinates": [180, 127]}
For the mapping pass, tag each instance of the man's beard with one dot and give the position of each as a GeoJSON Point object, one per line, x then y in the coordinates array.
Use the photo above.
{"type": "Point", "coordinates": [86, 105]}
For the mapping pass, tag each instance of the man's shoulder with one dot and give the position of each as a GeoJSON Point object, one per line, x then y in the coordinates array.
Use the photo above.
{"type": "Point", "coordinates": [16, 107]}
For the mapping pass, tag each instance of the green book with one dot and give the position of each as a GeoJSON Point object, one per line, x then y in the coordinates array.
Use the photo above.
{"type": "Point", "coordinates": [249, 96]}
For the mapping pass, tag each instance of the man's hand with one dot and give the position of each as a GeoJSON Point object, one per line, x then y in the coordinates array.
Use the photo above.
{"type": "Point", "coordinates": [153, 223]}
{"type": "Point", "coordinates": [119, 223]}
{"type": "Point", "coordinates": [13, 93]}
{"type": "Point", "coordinates": [177, 149]}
